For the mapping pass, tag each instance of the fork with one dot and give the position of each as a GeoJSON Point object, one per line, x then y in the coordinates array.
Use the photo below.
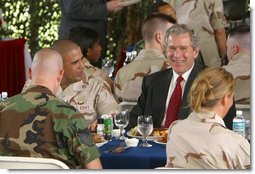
{"type": "Point", "coordinates": [121, 145]}
{"type": "Point", "coordinates": [120, 149]}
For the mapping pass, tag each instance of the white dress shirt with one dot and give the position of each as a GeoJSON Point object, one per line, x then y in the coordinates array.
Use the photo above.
{"type": "Point", "coordinates": [173, 82]}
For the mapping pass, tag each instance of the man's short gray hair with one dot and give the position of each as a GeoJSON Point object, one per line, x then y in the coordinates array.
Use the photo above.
{"type": "Point", "coordinates": [178, 29]}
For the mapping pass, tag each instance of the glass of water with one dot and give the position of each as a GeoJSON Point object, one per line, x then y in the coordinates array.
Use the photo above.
{"type": "Point", "coordinates": [121, 120]}
{"type": "Point", "coordinates": [145, 127]}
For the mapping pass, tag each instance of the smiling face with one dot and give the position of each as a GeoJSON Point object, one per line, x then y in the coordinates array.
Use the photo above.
{"type": "Point", "coordinates": [180, 53]}
{"type": "Point", "coordinates": [73, 66]}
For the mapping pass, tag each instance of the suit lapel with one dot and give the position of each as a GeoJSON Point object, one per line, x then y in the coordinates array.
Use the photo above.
{"type": "Point", "coordinates": [160, 92]}
{"type": "Point", "coordinates": [184, 110]}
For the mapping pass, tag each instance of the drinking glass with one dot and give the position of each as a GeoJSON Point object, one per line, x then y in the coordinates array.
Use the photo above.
{"type": "Point", "coordinates": [145, 127]}
{"type": "Point", "coordinates": [121, 120]}
{"type": "Point", "coordinates": [108, 67]}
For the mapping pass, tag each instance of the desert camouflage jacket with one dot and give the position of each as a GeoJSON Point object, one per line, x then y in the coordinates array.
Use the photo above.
{"type": "Point", "coordinates": [203, 142]}
{"type": "Point", "coordinates": [239, 67]}
{"type": "Point", "coordinates": [91, 96]}
{"type": "Point", "coordinates": [38, 124]}
{"type": "Point", "coordinates": [97, 72]}
{"type": "Point", "coordinates": [128, 80]}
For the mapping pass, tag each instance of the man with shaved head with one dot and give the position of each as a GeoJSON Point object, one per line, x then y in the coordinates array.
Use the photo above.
{"type": "Point", "coordinates": [239, 56]}
{"type": "Point", "coordinates": [42, 60]}
{"type": "Point", "coordinates": [37, 124]}
{"type": "Point", "coordinates": [89, 94]}
{"type": "Point", "coordinates": [128, 80]}
{"type": "Point", "coordinates": [73, 61]}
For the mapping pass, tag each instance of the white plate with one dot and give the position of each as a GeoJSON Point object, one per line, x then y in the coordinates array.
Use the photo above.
{"type": "Point", "coordinates": [101, 144]}
{"type": "Point", "coordinates": [159, 142]}
{"type": "Point", "coordinates": [129, 2]}
{"type": "Point", "coordinates": [141, 137]}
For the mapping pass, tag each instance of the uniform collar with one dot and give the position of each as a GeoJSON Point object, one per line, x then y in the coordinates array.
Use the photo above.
{"type": "Point", "coordinates": [39, 88]}
{"type": "Point", "coordinates": [207, 117]}
{"type": "Point", "coordinates": [149, 54]}
{"type": "Point", "coordinates": [240, 57]}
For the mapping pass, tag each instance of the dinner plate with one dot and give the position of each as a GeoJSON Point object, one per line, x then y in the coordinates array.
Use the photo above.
{"type": "Point", "coordinates": [129, 2]}
{"type": "Point", "coordinates": [141, 137]}
{"type": "Point", "coordinates": [101, 144]}
{"type": "Point", "coordinates": [159, 142]}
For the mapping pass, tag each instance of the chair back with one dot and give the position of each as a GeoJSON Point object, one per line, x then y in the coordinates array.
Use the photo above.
{"type": "Point", "coordinates": [13, 162]}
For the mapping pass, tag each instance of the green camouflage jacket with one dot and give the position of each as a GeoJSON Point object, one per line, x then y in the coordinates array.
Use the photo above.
{"type": "Point", "coordinates": [38, 124]}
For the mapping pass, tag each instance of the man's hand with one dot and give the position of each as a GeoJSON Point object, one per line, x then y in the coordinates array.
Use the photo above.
{"type": "Point", "coordinates": [114, 5]}
{"type": "Point", "coordinates": [93, 126]}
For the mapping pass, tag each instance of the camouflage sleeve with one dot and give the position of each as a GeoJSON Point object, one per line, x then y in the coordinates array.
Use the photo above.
{"type": "Point", "coordinates": [105, 101]}
{"type": "Point", "coordinates": [243, 155]}
{"type": "Point", "coordinates": [79, 141]}
{"type": "Point", "coordinates": [218, 19]}
{"type": "Point", "coordinates": [127, 84]}
{"type": "Point", "coordinates": [117, 86]}
{"type": "Point", "coordinates": [101, 73]}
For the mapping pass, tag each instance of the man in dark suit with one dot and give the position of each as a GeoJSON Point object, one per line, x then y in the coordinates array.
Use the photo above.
{"type": "Point", "coordinates": [182, 50]}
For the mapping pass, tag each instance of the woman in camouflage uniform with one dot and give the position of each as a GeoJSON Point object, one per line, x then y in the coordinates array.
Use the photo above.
{"type": "Point", "coordinates": [202, 140]}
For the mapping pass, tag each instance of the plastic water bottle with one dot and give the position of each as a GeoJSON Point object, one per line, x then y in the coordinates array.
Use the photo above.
{"type": "Point", "coordinates": [100, 127]}
{"type": "Point", "coordinates": [239, 123]}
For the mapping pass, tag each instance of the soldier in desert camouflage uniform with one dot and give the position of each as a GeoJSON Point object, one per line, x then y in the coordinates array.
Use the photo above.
{"type": "Point", "coordinates": [87, 93]}
{"type": "Point", "coordinates": [239, 56]}
{"type": "Point", "coordinates": [37, 124]}
{"type": "Point", "coordinates": [206, 17]}
{"type": "Point", "coordinates": [91, 96]}
{"type": "Point", "coordinates": [202, 140]}
{"type": "Point", "coordinates": [128, 80]}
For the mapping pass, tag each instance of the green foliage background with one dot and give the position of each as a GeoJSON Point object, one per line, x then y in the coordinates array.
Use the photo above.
{"type": "Point", "coordinates": [38, 22]}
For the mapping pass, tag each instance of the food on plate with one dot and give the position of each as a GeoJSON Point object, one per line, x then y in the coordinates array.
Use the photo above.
{"type": "Point", "coordinates": [157, 132]}
{"type": "Point", "coordinates": [163, 139]}
{"type": "Point", "coordinates": [161, 131]}
{"type": "Point", "coordinates": [97, 138]}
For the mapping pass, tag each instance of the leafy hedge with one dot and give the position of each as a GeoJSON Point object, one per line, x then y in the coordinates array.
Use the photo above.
{"type": "Point", "coordinates": [38, 22]}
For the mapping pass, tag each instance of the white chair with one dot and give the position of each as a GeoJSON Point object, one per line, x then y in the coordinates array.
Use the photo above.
{"type": "Point", "coordinates": [127, 105]}
{"type": "Point", "coordinates": [168, 168]}
{"type": "Point", "coordinates": [13, 162]}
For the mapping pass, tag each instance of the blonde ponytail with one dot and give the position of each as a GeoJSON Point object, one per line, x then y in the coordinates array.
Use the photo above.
{"type": "Point", "coordinates": [210, 86]}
